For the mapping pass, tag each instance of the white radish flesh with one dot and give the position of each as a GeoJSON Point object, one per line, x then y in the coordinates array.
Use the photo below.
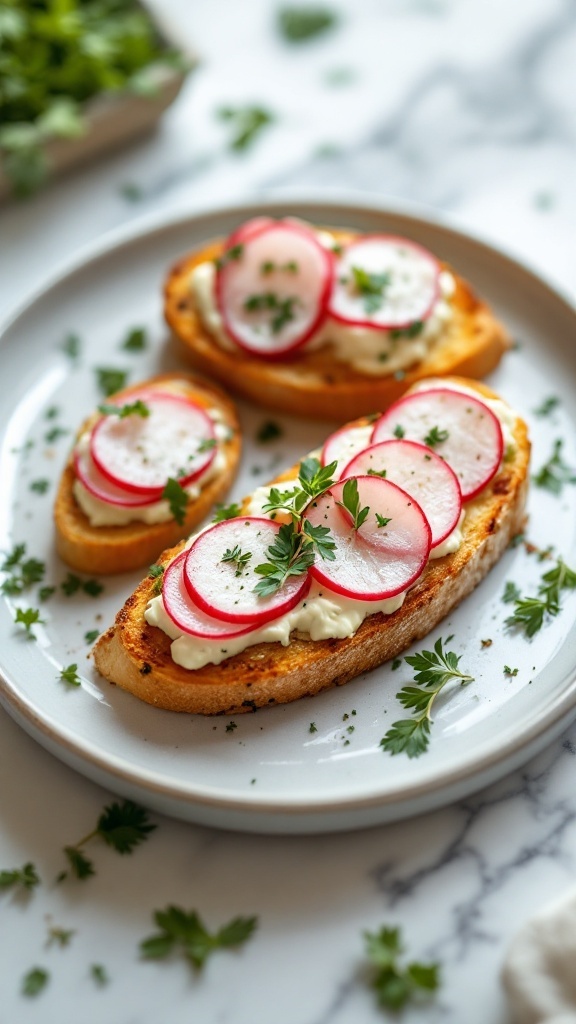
{"type": "Point", "coordinates": [225, 588]}
{"type": "Point", "coordinates": [459, 428]}
{"type": "Point", "coordinates": [384, 282]}
{"type": "Point", "coordinates": [378, 560]}
{"type": "Point", "coordinates": [140, 453]}
{"type": "Point", "coordinates": [343, 444]}
{"type": "Point", "coordinates": [100, 487]}
{"type": "Point", "coordinates": [419, 472]}
{"type": "Point", "coordinates": [186, 615]}
{"type": "Point", "coordinates": [273, 294]}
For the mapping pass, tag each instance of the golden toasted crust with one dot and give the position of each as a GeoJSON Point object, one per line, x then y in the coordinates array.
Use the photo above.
{"type": "Point", "coordinates": [312, 383]}
{"type": "Point", "coordinates": [112, 549]}
{"type": "Point", "coordinates": [136, 656]}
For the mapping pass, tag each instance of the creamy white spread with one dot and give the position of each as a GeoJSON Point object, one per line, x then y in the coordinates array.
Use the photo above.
{"type": "Point", "coordinates": [368, 350]}
{"type": "Point", "coordinates": [103, 513]}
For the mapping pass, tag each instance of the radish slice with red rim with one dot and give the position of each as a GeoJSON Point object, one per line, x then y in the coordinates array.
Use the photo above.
{"type": "Point", "coordinates": [100, 487]}
{"type": "Point", "coordinates": [384, 282]}
{"type": "Point", "coordinates": [245, 231]}
{"type": "Point", "coordinates": [139, 453]}
{"type": "Point", "coordinates": [189, 617]}
{"type": "Point", "coordinates": [223, 586]}
{"type": "Point", "coordinates": [421, 473]}
{"type": "Point", "coordinates": [343, 444]}
{"type": "Point", "coordinates": [386, 554]}
{"type": "Point", "coordinates": [273, 294]}
{"type": "Point", "coordinates": [459, 427]}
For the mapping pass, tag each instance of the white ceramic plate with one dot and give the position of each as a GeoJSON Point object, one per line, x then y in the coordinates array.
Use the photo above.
{"type": "Point", "coordinates": [270, 772]}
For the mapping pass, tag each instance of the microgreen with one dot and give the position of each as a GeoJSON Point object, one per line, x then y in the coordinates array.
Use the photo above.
{"type": "Point", "coordinates": [70, 675]}
{"type": "Point", "coordinates": [530, 612]}
{"type": "Point", "coordinates": [237, 557]}
{"type": "Point", "coordinates": [299, 24]}
{"type": "Point", "coordinates": [121, 825]}
{"type": "Point", "coordinates": [109, 379]}
{"type": "Point", "coordinates": [25, 877]}
{"type": "Point", "coordinates": [433, 670]}
{"type": "Point", "coordinates": [246, 124]}
{"type": "Point", "coordinates": [269, 431]}
{"type": "Point", "coordinates": [177, 499]}
{"type": "Point", "coordinates": [555, 472]}
{"type": "Point", "coordinates": [135, 340]}
{"type": "Point", "coordinates": [28, 617]}
{"type": "Point", "coordinates": [185, 932]}
{"type": "Point", "coordinates": [226, 512]}
{"type": "Point", "coordinates": [137, 408]}
{"type": "Point", "coordinates": [34, 981]}
{"type": "Point", "coordinates": [393, 983]}
{"type": "Point", "coordinates": [351, 504]}
{"type": "Point", "coordinates": [435, 436]}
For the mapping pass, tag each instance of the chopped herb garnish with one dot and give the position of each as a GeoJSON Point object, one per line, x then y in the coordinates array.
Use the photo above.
{"type": "Point", "coordinates": [237, 557]}
{"type": "Point", "coordinates": [132, 192]}
{"type": "Point", "coordinates": [206, 445]}
{"type": "Point", "coordinates": [110, 380]}
{"type": "Point", "coordinates": [25, 877]}
{"type": "Point", "coordinates": [436, 436]}
{"type": "Point", "coordinates": [434, 669]}
{"type": "Point", "coordinates": [45, 593]}
{"type": "Point", "coordinates": [186, 932]}
{"type": "Point", "coordinates": [412, 331]}
{"type": "Point", "coordinates": [269, 431]}
{"type": "Point", "coordinates": [54, 433]}
{"type": "Point", "coordinates": [135, 340]}
{"type": "Point", "coordinates": [312, 727]}
{"type": "Point", "coordinates": [39, 486]}
{"type": "Point", "coordinates": [71, 346]}
{"type": "Point", "coordinates": [268, 267]}
{"type": "Point", "coordinates": [99, 974]}
{"type": "Point", "coordinates": [28, 617]}
{"type": "Point", "coordinates": [226, 512]}
{"type": "Point", "coordinates": [177, 498]}
{"type": "Point", "coordinates": [298, 24]}
{"type": "Point", "coordinates": [21, 573]}
{"type": "Point", "coordinates": [291, 554]}
{"type": "Point", "coordinates": [91, 636]}
{"type": "Point", "coordinates": [530, 612]}
{"type": "Point", "coordinates": [231, 726]}
{"type": "Point", "coordinates": [371, 286]}
{"type": "Point", "coordinates": [137, 408]}
{"type": "Point", "coordinates": [548, 406]}
{"type": "Point", "coordinates": [60, 936]}
{"type": "Point", "coordinates": [382, 473]}
{"type": "Point", "coordinates": [351, 504]}
{"type": "Point", "coordinates": [555, 473]}
{"type": "Point", "coordinates": [393, 983]}
{"type": "Point", "coordinates": [510, 671]}
{"type": "Point", "coordinates": [282, 310]}
{"type": "Point", "coordinates": [70, 675]}
{"type": "Point", "coordinates": [246, 124]}
{"type": "Point", "coordinates": [399, 431]}
{"type": "Point", "coordinates": [233, 253]}
{"type": "Point", "coordinates": [396, 664]}
{"type": "Point", "coordinates": [382, 520]}
{"type": "Point", "coordinates": [121, 825]}
{"type": "Point", "coordinates": [34, 981]}
{"type": "Point", "coordinates": [73, 583]}
{"type": "Point", "coordinates": [511, 592]}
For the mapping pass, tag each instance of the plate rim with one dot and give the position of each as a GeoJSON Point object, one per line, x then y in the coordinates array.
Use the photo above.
{"type": "Point", "coordinates": [47, 729]}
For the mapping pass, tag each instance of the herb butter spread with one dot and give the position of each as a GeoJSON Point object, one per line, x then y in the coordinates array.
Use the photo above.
{"type": "Point", "coordinates": [368, 350]}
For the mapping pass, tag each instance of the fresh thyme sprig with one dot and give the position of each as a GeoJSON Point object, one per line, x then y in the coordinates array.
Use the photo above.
{"type": "Point", "coordinates": [555, 472]}
{"type": "Point", "coordinates": [185, 931]}
{"type": "Point", "coordinates": [313, 479]}
{"type": "Point", "coordinates": [121, 825]}
{"type": "Point", "coordinates": [394, 984]}
{"type": "Point", "coordinates": [530, 612]}
{"type": "Point", "coordinates": [237, 557]}
{"type": "Point", "coordinates": [25, 877]}
{"type": "Point", "coordinates": [434, 669]}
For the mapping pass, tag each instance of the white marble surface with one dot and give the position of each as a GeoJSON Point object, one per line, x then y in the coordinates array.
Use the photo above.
{"type": "Point", "coordinates": [466, 108]}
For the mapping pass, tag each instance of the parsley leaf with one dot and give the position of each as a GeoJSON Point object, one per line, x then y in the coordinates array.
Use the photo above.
{"type": "Point", "coordinates": [298, 24]}
{"type": "Point", "coordinates": [399, 431]}
{"type": "Point", "coordinates": [555, 472]}
{"type": "Point", "coordinates": [436, 436]}
{"type": "Point", "coordinates": [246, 124]}
{"type": "Point", "coordinates": [21, 572]}
{"type": "Point", "coordinates": [511, 592]}
{"type": "Point", "coordinates": [121, 825]}
{"type": "Point", "coordinates": [60, 936]}
{"type": "Point", "coordinates": [177, 498]}
{"type": "Point", "coordinates": [28, 617]}
{"type": "Point", "coordinates": [351, 503]}
{"type": "Point", "coordinates": [26, 877]}
{"type": "Point", "coordinates": [186, 932]}
{"type": "Point", "coordinates": [39, 486]}
{"type": "Point", "coordinates": [34, 981]}
{"type": "Point", "coordinates": [70, 675]}
{"type": "Point", "coordinates": [110, 380]}
{"type": "Point", "coordinates": [530, 612]}
{"type": "Point", "coordinates": [394, 984]}
{"type": "Point", "coordinates": [82, 867]}
{"type": "Point", "coordinates": [269, 431]}
{"type": "Point", "coordinates": [433, 670]}
{"type": "Point", "coordinates": [226, 512]}
{"type": "Point", "coordinates": [321, 539]}
{"type": "Point", "coordinates": [137, 408]}
{"type": "Point", "coordinates": [135, 340]}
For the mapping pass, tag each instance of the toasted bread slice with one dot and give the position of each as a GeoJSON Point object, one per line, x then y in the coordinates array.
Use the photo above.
{"type": "Point", "coordinates": [112, 549]}
{"type": "Point", "coordinates": [312, 382]}
{"type": "Point", "coordinates": [136, 656]}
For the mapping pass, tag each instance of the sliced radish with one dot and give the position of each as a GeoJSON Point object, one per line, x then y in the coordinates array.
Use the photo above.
{"type": "Point", "coordinates": [384, 282]}
{"type": "Point", "coordinates": [343, 444]}
{"type": "Point", "coordinates": [225, 589]}
{"type": "Point", "coordinates": [273, 295]}
{"type": "Point", "coordinates": [245, 231]}
{"type": "Point", "coordinates": [186, 615]}
{"type": "Point", "coordinates": [375, 561]}
{"type": "Point", "coordinates": [100, 487]}
{"type": "Point", "coordinates": [458, 426]}
{"type": "Point", "coordinates": [421, 473]}
{"type": "Point", "coordinates": [139, 453]}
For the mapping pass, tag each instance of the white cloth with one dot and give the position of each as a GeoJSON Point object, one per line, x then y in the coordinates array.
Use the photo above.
{"type": "Point", "coordinates": [539, 972]}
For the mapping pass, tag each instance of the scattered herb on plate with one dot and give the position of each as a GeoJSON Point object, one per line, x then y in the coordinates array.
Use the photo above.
{"type": "Point", "coordinates": [246, 124]}
{"type": "Point", "coordinates": [59, 936]}
{"type": "Point", "coordinates": [99, 974]}
{"type": "Point", "coordinates": [110, 380]}
{"type": "Point", "coordinates": [184, 931]}
{"type": "Point", "coordinates": [531, 612]}
{"type": "Point", "coordinates": [298, 24]}
{"type": "Point", "coordinates": [91, 636]}
{"type": "Point", "coordinates": [548, 406]}
{"type": "Point", "coordinates": [135, 340]}
{"type": "Point", "coordinates": [20, 572]}
{"type": "Point", "coordinates": [28, 617]}
{"type": "Point", "coordinates": [71, 347]}
{"type": "Point", "coordinates": [269, 431]}
{"type": "Point", "coordinates": [70, 675]}
{"type": "Point", "coordinates": [555, 472]}
{"type": "Point", "coordinates": [25, 877]}
{"type": "Point", "coordinates": [511, 592]}
{"type": "Point", "coordinates": [39, 486]}
{"type": "Point", "coordinates": [34, 981]}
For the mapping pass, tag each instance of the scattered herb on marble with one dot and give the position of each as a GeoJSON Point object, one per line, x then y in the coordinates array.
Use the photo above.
{"type": "Point", "coordinates": [109, 379]}
{"type": "Point", "coordinates": [25, 878]}
{"type": "Point", "coordinates": [135, 340]}
{"type": "Point", "coordinates": [185, 932]}
{"type": "Point", "coordinates": [177, 499]}
{"type": "Point", "coordinates": [59, 936]}
{"type": "Point", "coordinates": [39, 486]}
{"type": "Point", "coordinates": [396, 984]}
{"type": "Point", "coordinates": [298, 24]}
{"type": "Point", "coordinates": [28, 617]}
{"type": "Point", "coordinates": [123, 826]}
{"type": "Point", "coordinates": [70, 675]}
{"type": "Point", "coordinates": [269, 431]}
{"type": "Point", "coordinates": [34, 981]}
{"type": "Point", "coordinates": [137, 408]}
{"type": "Point", "coordinates": [548, 406]}
{"type": "Point", "coordinates": [91, 636]}
{"type": "Point", "coordinates": [246, 124]}
{"type": "Point", "coordinates": [511, 592]}
{"type": "Point", "coordinates": [555, 472]}
{"type": "Point", "coordinates": [226, 512]}
{"type": "Point", "coordinates": [71, 347]}
{"type": "Point", "coordinates": [530, 613]}
{"type": "Point", "coordinates": [433, 670]}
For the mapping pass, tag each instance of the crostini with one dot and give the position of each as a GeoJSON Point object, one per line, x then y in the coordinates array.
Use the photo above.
{"type": "Point", "coordinates": [338, 565]}
{"type": "Point", "coordinates": [326, 323]}
{"type": "Point", "coordinates": [145, 469]}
